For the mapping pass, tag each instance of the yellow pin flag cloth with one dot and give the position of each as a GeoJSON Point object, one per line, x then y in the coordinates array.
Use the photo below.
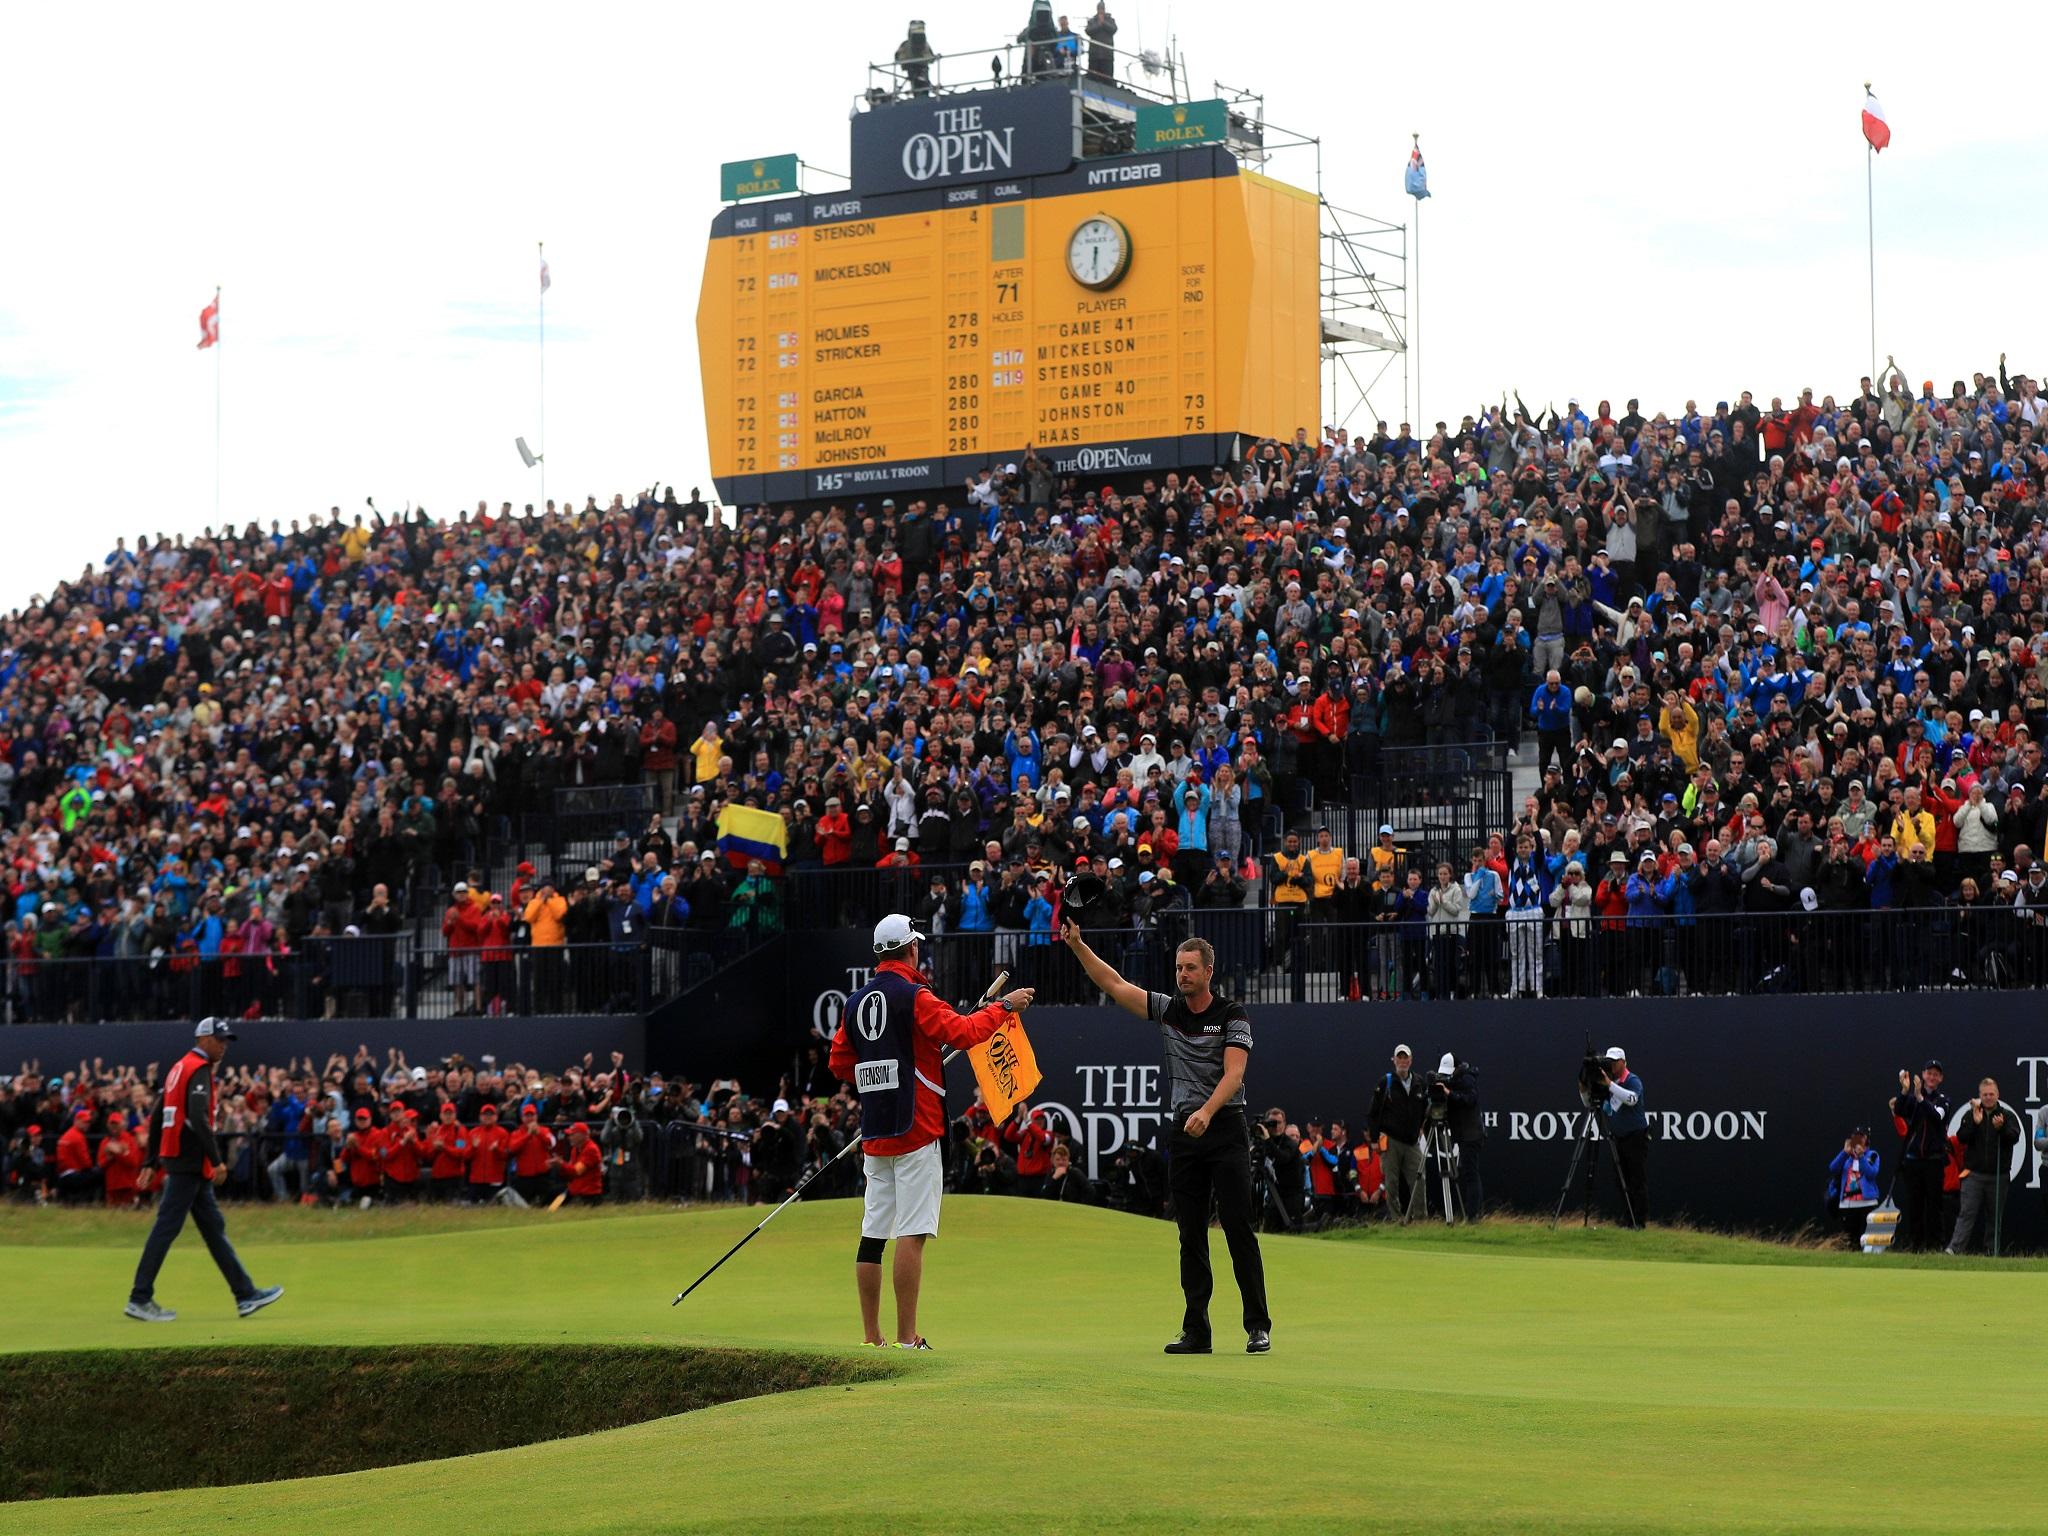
{"type": "Point", "coordinates": [1005, 1069]}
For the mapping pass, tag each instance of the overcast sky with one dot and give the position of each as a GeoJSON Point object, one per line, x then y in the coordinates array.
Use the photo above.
{"type": "Point", "coordinates": [1624, 204]}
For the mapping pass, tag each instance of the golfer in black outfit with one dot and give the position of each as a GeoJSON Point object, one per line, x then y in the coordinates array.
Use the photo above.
{"type": "Point", "coordinates": [1208, 1045]}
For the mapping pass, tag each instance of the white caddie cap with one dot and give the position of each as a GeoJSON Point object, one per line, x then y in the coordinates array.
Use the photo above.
{"type": "Point", "coordinates": [893, 932]}
{"type": "Point", "coordinates": [1616, 1053]}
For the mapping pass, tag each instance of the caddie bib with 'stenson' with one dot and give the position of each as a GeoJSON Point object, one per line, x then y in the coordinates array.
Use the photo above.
{"type": "Point", "coordinates": [881, 1026]}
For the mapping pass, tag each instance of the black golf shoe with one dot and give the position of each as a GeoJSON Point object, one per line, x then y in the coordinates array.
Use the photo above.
{"type": "Point", "coordinates": [1259, 1342]}
{"type": "Point", "coordinates": [1187, 1346]}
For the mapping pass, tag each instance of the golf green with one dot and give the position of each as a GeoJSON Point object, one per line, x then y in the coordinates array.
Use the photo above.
{"type": "Point", "coordinates": [1426, 1380]}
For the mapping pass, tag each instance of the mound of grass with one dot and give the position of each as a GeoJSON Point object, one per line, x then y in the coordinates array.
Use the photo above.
{"type": "Point", "coordinates": [208, 1417]}
{"type": "Point", "coordinates": [1676, 1243]}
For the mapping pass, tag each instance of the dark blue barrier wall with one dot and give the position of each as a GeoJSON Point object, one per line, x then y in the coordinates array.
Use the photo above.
{"type": "Point", "coordinates": [544, 1043]}
{"type": "Point", "coordinates": [1750, 1098]}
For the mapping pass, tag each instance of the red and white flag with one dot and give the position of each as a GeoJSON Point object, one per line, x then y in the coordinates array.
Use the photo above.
{"type": "Point", "coordinates": [1875, 128]}
{"type": "Point", "coordinates": [544, 274]}
{"type": "Point", "coordinates": [209, 322]}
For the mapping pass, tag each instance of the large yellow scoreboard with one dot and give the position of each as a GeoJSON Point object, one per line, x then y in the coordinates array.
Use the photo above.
{"type": "Point", "coordinates": [1126, 315]}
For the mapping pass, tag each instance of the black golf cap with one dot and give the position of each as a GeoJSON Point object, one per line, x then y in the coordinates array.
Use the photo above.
{"type": "Point", "coordinates": [217, 1029]}
{"type": "Point", "coordinates": [1932, 1065]}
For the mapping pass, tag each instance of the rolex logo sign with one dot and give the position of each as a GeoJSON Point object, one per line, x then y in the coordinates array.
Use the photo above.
{"type": "Point", "coordinates": [1180, 125]}
{"type": "Point", "coordinates": [767, 176]}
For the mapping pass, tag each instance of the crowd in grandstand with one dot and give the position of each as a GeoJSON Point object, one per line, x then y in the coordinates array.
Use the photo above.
{"type": "Point", "coordinates": [1775, 661]}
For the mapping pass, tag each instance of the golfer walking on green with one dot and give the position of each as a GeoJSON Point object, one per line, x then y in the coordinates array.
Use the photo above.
{"type": "Point", "coordinates": [183, 1145]}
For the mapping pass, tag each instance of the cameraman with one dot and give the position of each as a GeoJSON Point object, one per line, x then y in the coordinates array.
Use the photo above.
{"type": "Point", "coordinates": [1628, 1128]}
{"type": "Point", "coordinates": [622, 1138]}
{"type": "Point", "coordinates": [1456, 1089]}
{"type": "Point", "coordinates": [1282, 1154]}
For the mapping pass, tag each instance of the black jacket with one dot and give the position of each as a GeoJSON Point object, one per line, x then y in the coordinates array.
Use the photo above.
{"type": "Point", "coordinates": [1987, 1148]}
{"type": "Point", "coordinates": [1926, 1126]}
{"type": "Point", "coordinates": [1397, 1110]}
{"type": "Point", "coordinates": [1466, 1121]}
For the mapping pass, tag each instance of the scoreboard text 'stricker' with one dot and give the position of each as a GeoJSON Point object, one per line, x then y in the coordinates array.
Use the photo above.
{"type": "Point", "coordinates": [983, 289]}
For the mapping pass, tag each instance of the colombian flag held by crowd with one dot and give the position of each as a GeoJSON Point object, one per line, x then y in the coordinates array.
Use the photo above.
{"type": "Point", "coordinates": [745, 833]}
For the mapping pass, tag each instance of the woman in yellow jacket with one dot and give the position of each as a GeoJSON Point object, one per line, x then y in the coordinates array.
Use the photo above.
{"type": "Point", "coordinates": [1680, 723]}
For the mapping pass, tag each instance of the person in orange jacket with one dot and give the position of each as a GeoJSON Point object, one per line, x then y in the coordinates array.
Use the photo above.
{"type": "Point", "coordinates": [529, 1148]}
{"type": "Point", "coordinates": [120, 1163]}
{"type": "Point", "coordinates": [400, 1154]}
{"type": "Point", "coordinates": [447, 1144]}
{"type": "Point", "coordinates": [581, 1166]}
{"type": "Point", "coordinates": [360, 1156]}
{"type": "Point", "coordinates": [78, 1175]}
{"type": "Point", "coordinates": [487, 1153]}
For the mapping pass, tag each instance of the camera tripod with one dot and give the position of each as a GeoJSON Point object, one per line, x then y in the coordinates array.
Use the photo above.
{"type": "Point", "coordinates": [1582, 1154]}
{"type": "Point", "coordinates": [1441, 1153]}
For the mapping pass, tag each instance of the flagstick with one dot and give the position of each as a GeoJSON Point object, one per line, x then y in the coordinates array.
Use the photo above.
{"type": "Point", "coordinates": [543, 382]}
{"type": "Point", "coordinates": [1870, 213]}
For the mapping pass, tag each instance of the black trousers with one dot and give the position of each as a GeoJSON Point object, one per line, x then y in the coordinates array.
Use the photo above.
{"type": "Point", "coordinates": [1471, 1194]}
{"type": "Point", "coordinates": [1217, 1163]}
{"type": "Point", "coordinates": [188, 1194]}
{"type": "Point", "coordinates": [1918, 1189]}
{"type": "Point", "coordinates": [1633, 1153]}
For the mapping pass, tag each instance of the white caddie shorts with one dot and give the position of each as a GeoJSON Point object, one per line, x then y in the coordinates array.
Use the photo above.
{"type": "Point", "coordinates": [903, 1194]}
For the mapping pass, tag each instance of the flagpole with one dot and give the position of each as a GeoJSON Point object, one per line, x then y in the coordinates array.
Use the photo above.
{"type": "Point", "coordinates": [216, 408]}
{"type": "Point", "coordinates": [1415, 324]}
{"type": "Point", "coordinates": [543, 247]}
{"type": "Point", "coordinates": [1870, 227]}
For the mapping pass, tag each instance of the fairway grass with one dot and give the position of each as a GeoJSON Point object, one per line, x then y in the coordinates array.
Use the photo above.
{"type": "Point", "coordinates": [1452, 1382]}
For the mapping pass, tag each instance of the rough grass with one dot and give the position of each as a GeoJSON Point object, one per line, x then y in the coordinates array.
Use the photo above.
{"type": "Point", "coordinates": [208, 1417]}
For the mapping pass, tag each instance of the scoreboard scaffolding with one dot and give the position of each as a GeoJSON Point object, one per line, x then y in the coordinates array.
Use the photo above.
{"type": "Point", "coordinates": [982, 289]}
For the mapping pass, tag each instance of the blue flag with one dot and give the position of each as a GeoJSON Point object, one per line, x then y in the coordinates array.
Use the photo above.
{"type": "Point", "coordinates": [1417, 180]}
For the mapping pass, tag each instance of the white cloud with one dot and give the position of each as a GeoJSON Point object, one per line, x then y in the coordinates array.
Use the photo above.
{"type": "Point", "coordinates": [1628, 201]}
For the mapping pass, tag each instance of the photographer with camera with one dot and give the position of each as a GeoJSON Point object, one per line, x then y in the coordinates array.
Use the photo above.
{"type": "Point", "coordinates": [1618, 1099]}
{"type": "Point", "coordinates": [1454, 1095]}
{"type": "Point", "coordinates": [1399, 1105]}
{"type": "Point", "coordinates": [1276, 1156]}
{"type": "Point", "coordinates": [622, 1139]}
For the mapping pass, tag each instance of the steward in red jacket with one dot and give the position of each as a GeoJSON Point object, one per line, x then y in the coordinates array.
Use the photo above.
{"type": "Point", "coordinates": [487, 1153]}
{"type": "Point", "coordinates": [78, 1175]}
{"type": "Point", "coordinates": [447, 1144]}
{"type": "Point", "coordinates": [400, 1154]}
{"type": "Point", "coordinates": [361, 1154]}
{"type": "Point", "coordinates": [581, 1165]}
{"type": "Point", "coordinates": [530, 1147]}
{"type": "Point", "coordinates": [120, 1163]}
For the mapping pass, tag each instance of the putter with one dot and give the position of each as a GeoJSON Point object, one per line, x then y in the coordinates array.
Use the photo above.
{"type": "Point", "coordinates": [995, 989]}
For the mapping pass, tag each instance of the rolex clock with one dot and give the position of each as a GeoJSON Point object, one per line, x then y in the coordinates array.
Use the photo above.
{"type": "Point", "coordinates": [1099, 252]}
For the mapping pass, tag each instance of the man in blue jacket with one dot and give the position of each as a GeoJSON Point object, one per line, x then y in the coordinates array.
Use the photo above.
{"type": "Point", "coordinates": [1628, 1127]}
{"type": "Point", "coordinates": [1551, 707]}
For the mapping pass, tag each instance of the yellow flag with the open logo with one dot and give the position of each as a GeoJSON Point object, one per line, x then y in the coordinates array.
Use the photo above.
{"type": "Point", "coordinates": [1005, 1069]}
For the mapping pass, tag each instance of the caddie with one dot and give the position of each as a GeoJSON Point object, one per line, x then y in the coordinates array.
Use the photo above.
{"type": "Point", "coordinates": [888, 1047]}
